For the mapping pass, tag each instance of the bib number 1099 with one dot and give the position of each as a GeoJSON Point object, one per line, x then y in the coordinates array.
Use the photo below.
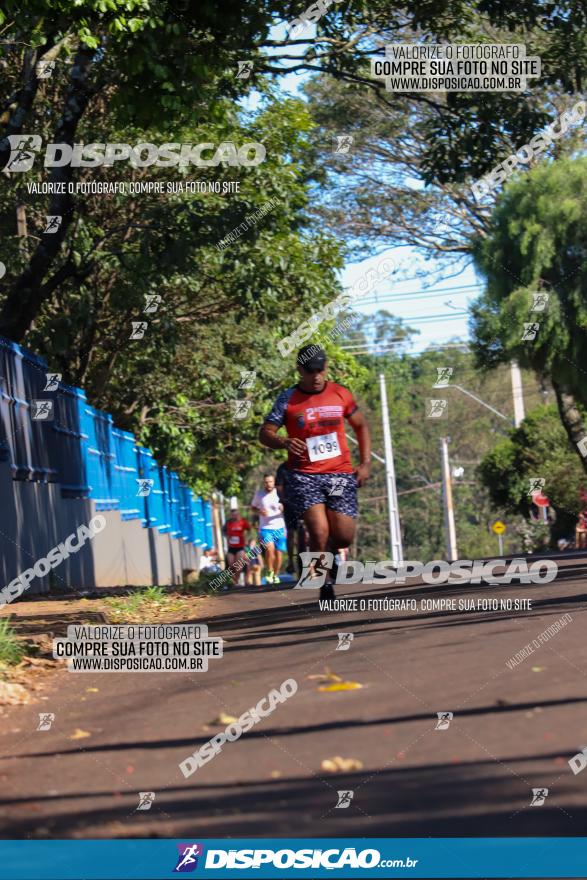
{"type": "Point", "coordinates": [322, 447]}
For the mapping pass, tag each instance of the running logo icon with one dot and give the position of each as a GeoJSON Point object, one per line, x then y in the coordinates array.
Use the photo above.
{"type": "Point", "coordinates": [539, 795]}
{"type": "Point", "coordinates": [315, 568]}
{"type": "Point", "coordinates": [245, 69]}
{"type": "Point", "coordinates": [53, 223]}
{"type": "Point", "coordinates": [444, 719]}
{"type": "Point", "coordinates": [188, 857]}
{"type": "Point", "coordinates": [444, 376]}
{"type": "Point", "coordinates": [344, 641]}
{"type": "Point", "coordinates": [342, 143]}
{"type": "Point", "coordinates": [536, 484]}
{"type": "Point", "coordinates": [344, 799]}
{"type": "Point", "coordinates": [42, 410]}
{"type": "Point", "coordinates": [23, 149]}
{"type": "Point", "coordinates": [539, 302]}
{"type": "Point", "coordinates": [247, 379]}
{"type": "Point", "coordinates": [152, 302]}
{"type": "Point", "coordinates": [146, 799]}
{"type": "Point", "coordinates": [46, 719]}
{"type": "Point", "coordinates": [138, 329]}
{"type": "Point", "coordinates": [45, 69]}
{"type": "Point", "coordinates": [436, 409]}
{"type": "Point", "coordinates": [336, 486]}
{"type": "Point", "coordinates": [52, 381]}
{"type": "Point", "coordinates": [530, 332]}
{"type": "Point", "coordinates": [241, 408]}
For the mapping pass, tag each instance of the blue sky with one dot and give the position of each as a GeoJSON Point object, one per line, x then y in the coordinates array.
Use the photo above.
{"type": "Point", "coordinates": [417, 300]}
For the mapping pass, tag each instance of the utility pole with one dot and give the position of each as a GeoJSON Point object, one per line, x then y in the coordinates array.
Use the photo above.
{"type": "Point", "coordinates": [517, 393]}
{"type": "Point", "coordinates": [449, 516]}
{"type": "Point", "coordinates": [216, 525]}
{"type": "Point", "coordinates": [21, 229]}
{"type": "Point", "coordinates": [395, 535]}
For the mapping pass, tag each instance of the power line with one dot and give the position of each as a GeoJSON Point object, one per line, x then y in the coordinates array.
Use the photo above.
{"type": "Point", "coordinates": [412, 295]}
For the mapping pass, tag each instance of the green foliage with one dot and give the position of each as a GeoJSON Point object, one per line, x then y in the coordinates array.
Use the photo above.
{"type": "Point", "coordinates": [537, 449]}
{"type": "Point", "coordinates": [472, 431]}
{"type": "Point", "coordinates": [11, 648]}
{"type": "Point", "coordinates": [537, 243]}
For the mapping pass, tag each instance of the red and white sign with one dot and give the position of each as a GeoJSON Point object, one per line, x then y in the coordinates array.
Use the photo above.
{"type": "Point", "coordinates": [540, 499]}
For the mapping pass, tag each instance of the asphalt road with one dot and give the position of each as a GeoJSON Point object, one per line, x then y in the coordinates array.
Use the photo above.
{"type": "Point", "coordinates": [512, 729]}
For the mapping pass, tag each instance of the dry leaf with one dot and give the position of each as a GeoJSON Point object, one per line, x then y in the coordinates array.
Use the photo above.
{"type": "Point", "coordinates": [79, 734]}
{"type": "Point", "coordinates": [275, 774]}
{"type": "Point", "coordinates": [341, 686]}
{"type": "Point", "coordinates": [12, 694]}
{"type": "Point", "coordinates": [324, 676]}
{"type": "Point", "coordinates": [223, 718]}
{"type": "Point", "coordinates": [92, 690]}
{"type": "Point", "coordinates": [341, 765]}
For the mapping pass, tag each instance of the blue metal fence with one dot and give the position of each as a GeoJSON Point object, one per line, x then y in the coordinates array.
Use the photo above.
{"type": "Point", "coordinates": [49, 433]}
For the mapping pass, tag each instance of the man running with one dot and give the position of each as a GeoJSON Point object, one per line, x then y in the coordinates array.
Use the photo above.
{"type": "Point", "coordinates": [321, 482]}
{"type": "Point", "coordinates": [271, 527]}
{"type": "Point", "coordinates": [235, 529]}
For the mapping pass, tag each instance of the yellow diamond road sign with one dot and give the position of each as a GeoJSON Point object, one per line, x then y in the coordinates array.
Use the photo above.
{"type": "Point", "coordinates": [498, 527]}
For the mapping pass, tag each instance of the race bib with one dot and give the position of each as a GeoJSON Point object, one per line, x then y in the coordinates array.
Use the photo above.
{"type": "Point", "coordinates": [322, 447]}
{"type": "Point", "coordinates": [234, 540]}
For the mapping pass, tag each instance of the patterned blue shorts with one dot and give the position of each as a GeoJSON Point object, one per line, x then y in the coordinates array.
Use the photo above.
{"type": "Point", "coordinates": [337, 491]}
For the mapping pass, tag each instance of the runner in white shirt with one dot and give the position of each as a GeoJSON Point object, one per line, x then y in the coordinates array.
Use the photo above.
{"type": "Point", "coordinates": [271, 527]}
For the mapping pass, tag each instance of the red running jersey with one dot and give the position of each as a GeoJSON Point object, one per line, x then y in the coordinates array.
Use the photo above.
{"type": "Point", "coordinates": [234, 529]}
{"type": "Point", "coordinates": [317, 417]}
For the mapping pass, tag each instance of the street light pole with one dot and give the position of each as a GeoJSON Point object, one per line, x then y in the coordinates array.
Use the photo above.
{"type": "Point", "coordinates": [449, 516]}
{"type": "Point", "coordinates": [395, 535]}
{"type": "Point", "coordinates": [517, 393]}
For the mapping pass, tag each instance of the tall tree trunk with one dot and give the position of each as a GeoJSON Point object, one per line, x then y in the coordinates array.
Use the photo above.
{"type": "Point", "coordinates": [29, 292]}
{"type": "Point", "coordinates": [572, 421]}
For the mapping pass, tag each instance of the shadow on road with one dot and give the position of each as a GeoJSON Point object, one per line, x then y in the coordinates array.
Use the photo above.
{"type": "Point", "coordinates": [436, 800]}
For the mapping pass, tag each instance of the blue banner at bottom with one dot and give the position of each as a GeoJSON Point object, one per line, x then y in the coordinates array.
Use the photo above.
{"type": "Point", "coordinates": [293, 857]}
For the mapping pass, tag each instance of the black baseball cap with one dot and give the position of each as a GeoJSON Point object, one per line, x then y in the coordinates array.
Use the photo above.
{"type": "Point", "coordinates": [311, 357]}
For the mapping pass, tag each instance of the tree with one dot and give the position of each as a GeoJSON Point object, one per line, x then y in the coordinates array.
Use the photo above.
{"type": "Point", "coordinates": [536, 450]}
{"type": "Point", "coordinates": [170, 62]}
{"type": "Point", "coordinates": [219, 307]}
{"type": "Point", "coordinates": [123, 61]}
{"type": "Point", "coordinates": [473, 432]}
{"type": "Point", "coordinates": [537, 245]}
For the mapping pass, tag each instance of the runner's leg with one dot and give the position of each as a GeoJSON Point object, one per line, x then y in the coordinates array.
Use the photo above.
{"type": "Point", "coordinates": [238, 566]}
{"type": "Point", "coordinates": [291, 537]}
{"type": "Point", "coordinates": [318, 527]}
{"type": "Point", "coordinates": [341, 529]}
{"type": "Point", "coordinates": [270, 557]}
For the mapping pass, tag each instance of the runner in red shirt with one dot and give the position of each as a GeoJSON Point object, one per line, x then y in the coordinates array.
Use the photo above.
{"type": "Point", "coordinates": [321, 482]}
{"type": "Point", "coordinates": [235, 529]}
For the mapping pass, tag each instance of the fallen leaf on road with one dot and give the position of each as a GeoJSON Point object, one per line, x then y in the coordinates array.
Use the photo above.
{"type": "Point", "coordinates": [341, 765]}
{"type": "Point", "coordinates": [223, 718]}
{"type": "Point", "coordinates": [275, 774]}
{"type": "Point", "coordinates": [341, 686]}
{"type": "Point", "coordinates": [92, 690]}
{"type": "Point", "coordinates": [324, 676]}
{"type": "Point", "coordinates": [12, 694]}
{"type": "Point", "coordinates": [79, 734]}
{"type": "Point", "coordinates": [538, 669]}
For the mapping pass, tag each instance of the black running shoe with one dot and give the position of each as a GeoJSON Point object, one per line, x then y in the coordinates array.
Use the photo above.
{"type": "Point", "coordinates": [327, 591]}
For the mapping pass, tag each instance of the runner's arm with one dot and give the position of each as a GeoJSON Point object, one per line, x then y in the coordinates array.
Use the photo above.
{"type": "Point", "coordinates": [268, 437]}
{"type": "Point", "coordinates": [358, 423]}
{"type": "Point", "coordinates": [254, 505]}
